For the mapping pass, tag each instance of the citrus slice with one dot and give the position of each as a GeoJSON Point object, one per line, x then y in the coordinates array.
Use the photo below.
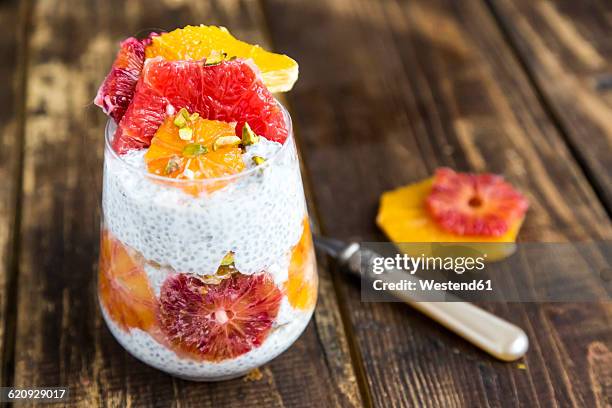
{"type": "Point", "coordinates": [301, 286]}
{"type": "Point", "coordinates": [229, 91]}
{"type": "Point", "coordinates": [279, 72]}
{"type": "Point", "coordinates": [124, 288]}
{"type": "Point", "coordinates": [216, 322]}
{"type": "Point", "coordinates": [405, 215]}
{"type": "Point", "coordinates": [117, 90]}
{"type": "Point", "coordinates": [474, 204]}
{"type": "Point", "coordinates": [194, 150]}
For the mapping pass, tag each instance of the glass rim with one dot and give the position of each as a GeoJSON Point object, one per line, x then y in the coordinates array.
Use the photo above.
{"type": "Point", "coordinates": [269, 161]}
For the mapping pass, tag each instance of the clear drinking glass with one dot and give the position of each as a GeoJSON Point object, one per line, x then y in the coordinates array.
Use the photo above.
{"type": "Point", "coordinates": [206, 279]}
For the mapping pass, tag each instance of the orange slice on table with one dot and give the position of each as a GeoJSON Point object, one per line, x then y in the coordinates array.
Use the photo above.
{"type": "Point", "coordinates": [301, 286]}
{"type": "Point", "coordinates": [279, 71]}
{"type": "Point", "coordinates": [404, 216]}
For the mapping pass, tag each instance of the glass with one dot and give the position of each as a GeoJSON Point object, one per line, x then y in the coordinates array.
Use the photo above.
{"type": "Point", "coordinates": [206, 279]}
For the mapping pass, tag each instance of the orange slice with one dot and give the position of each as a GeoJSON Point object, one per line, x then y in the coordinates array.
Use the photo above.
{"type": "Point", "coordinates": [403, 217]}
{"type": "Point", "coordinates": [279, 71]}
{"type": "Point", "coordinates": [194, 150]}
{"type": "Point", "coordinates": [301, 286]}
{"type": "Point", "coordinates": [123, 286]}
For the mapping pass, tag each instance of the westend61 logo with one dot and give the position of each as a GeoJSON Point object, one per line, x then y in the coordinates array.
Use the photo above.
{"type": "Point", "coordinates": [486, 271]}
{"type": "Point", "coordinates": [412, 264]}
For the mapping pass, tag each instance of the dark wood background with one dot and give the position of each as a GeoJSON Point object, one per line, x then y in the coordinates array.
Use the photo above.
{"type": "Point", "coordinates": [388, 91]}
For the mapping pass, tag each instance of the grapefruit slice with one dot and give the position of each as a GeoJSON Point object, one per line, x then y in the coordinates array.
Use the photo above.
{"type": "Point", "coordinates": [124, 288]}
{"type": "Point", "coordinates": [230, 91]}
{"type": "Point", "coordinates": [301, 286]}
{"type": "Point", "coordinates": [117, 90]}
{"type": "Point", "coordinates": [216, 322]}
{"type": "Point", "coordinates": [279, 72]}
{"type": "Point", "coordinates": [198, 154]}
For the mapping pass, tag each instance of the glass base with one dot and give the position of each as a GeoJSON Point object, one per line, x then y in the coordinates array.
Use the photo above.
{"type": "Point", "coordinates": [145, 348]}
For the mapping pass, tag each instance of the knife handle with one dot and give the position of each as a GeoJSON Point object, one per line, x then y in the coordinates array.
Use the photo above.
{"type": "Point", "coordinates": [496, 336]}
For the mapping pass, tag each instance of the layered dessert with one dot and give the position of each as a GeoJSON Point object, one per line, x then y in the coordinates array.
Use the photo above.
{"type": "Point", "coordinates": [207, 269]}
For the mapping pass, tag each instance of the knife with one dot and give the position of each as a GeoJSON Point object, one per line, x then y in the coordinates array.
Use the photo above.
{"type": "Point", "coordinates": [492, 334]}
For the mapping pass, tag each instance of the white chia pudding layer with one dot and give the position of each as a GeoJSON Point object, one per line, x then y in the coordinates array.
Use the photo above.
{"type": "Point", "coordinates": [258, 214]}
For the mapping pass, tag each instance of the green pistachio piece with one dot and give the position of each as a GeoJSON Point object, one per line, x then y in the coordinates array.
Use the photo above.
{"type": "Point", "coordinates": [228, 259]}
{"type": "Point", "coordinates": [185, 133]}
{"type": "Point", "coordinates": [172, 165]}
{"type": "Point", "coordinates": [248, 136]}
{"type": "Point", "coordinates": [194, 149]}
{"type": "Point", "coordinates": [258, 160]}
{"type": "Point", "coordinates": [225, 141]}
{"type": "Point", "coordinates": [194, 116]}
{"type": "Point", "coordinates": [184, 113]}
{"type": "Point", "coordinates": [180, 121]}
{"type": "Point", "coordinates": [215, 58]}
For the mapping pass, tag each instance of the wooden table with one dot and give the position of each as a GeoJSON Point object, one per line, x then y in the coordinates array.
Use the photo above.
{"type": "Point", "coordinates": [388, 91]}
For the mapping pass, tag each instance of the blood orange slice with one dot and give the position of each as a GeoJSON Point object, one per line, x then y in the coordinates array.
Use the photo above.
{"type": "Point", "coordinates": [405, 218]}
{"type": "Point", "coordinates": [218, 321]}
{"type": "Point", "coordinates": [301, 286]}
{"type": "Point", "coordinates": [124, 289]}
{"type": "Point", "coordinates": [230, 91]}
{"type": "Point", "coordinates": [474, 204]}
{"type": "Point", "coordinates": [117, 90]}
{"type": "Point", "coordinates": [279, 72]}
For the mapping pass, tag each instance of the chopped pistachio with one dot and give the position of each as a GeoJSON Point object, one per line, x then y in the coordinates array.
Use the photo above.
{"type": "Point", "coordinates": [248, 136]}
{"type": "Point", "coordinates": [215, 58]}
{"type": "Point", "coordinates": [184, 113]}
{"type": "Point", "coordinates": [258, 160]}
{"type": "Point", "coordinates": [225, 271]}
{"type": "Point", "coordinates": [226, 141]}
{"type": "Point", "coordinates": [185, 133]}
{"type": "Point", "coordinates": [228, 259]}
{"type": "Point", "coordinates": [172, 165]}
{"type": "Point", "coordinates": [194, 116]}
{"type": "Point", "coordinates": [180, 121]}
{"type": "Point", "coordinates": [253, 375]}
{"type": "Point", "coordinates": [194, 149]}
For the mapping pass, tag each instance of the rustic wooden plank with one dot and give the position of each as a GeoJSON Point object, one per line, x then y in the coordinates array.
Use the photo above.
{"type": "Point", "coordinates": [12, 47]}
{"type": "Point", "coordinates": [61, 339]}
{"type": "Point", "coordinates": [565, 46]}
{"type": "Point", "coordinates": [391, 90]}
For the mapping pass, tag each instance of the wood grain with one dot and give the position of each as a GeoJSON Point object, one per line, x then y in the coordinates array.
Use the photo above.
{"type": "Point", "coordinates": [565, 46]}
{"type": "Point", "coordinates": [395, 89]}
{"type": "Point", "coordinates": [61, 337]}
{"type": "Point", "coordinates": [12, 55]}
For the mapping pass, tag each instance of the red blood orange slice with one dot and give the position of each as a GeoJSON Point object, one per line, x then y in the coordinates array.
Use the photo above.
{"type": "Point", "coordinates": [230, 91]}
{"type": "Point", "coordinates": [124, 288]}
{"type": "Point", "coordinates": [117, 90]}
{"type": "Point", "coordinates": [474, 204]}
{"type": "Point", "coordinates": [218, 321]}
